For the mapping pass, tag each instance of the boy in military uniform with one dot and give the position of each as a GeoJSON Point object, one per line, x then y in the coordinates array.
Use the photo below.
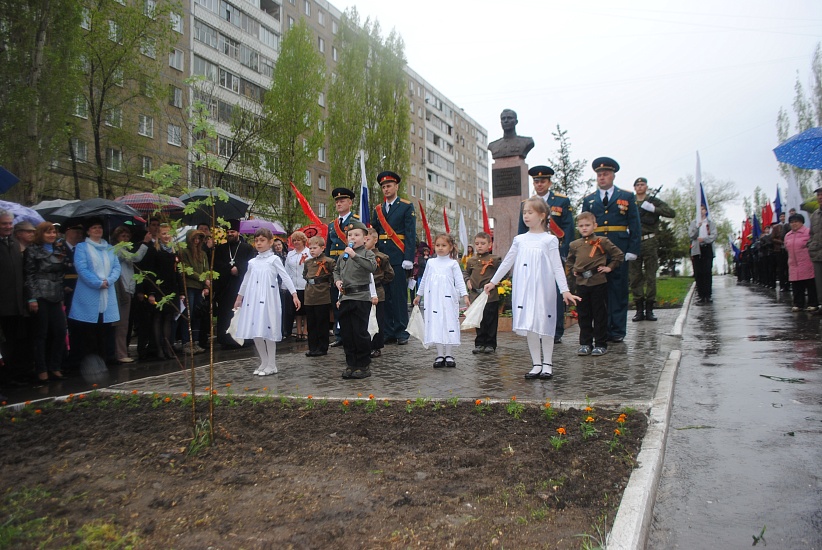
{"type": "Point", "coordinates": [642, 271]}
{"type": "Point", "coordinates": [592, 258]}
{"type": "Point", "coordinates": [318, 272]}
{"type": "Point", "coordinates": [354, 281]}
{"type": "Point", "coordinates": [478, 272]}
{"type": "Point", "coordinates": [383, 275]}
{"type": "Point", "coordinates": [337, 241]}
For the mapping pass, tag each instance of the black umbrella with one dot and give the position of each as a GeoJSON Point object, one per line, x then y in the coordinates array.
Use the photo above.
{"type": "Point", "coordinates": [234, 208]}
{"type": "Point", "coordinates": [93, 207]}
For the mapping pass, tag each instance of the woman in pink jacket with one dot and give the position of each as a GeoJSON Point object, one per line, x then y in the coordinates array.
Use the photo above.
{"type": "Point", "coordinates": [800, 267]}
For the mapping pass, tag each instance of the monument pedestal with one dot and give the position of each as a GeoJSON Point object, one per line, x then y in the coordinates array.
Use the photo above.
{"type": "Point", "coordinates": [509, 177]}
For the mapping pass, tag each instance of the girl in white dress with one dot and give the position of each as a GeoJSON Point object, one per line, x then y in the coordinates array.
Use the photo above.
{"type": "Point", "coordinates": [538, 271]}
{"type": "Point", "coordinates": [260, 311]}
{"type": "Point", "coordinates": [442, 285]}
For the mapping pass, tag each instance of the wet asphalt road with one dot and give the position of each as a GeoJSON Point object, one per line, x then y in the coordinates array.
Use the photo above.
{"type": "Point", "coordinates": [744, 451]}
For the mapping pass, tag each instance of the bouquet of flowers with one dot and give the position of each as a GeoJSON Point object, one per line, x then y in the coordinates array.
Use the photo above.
{"type": "Point", "coordinates": [504, 291]}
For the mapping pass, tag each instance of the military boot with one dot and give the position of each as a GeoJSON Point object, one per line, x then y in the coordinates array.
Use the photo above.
{"type": "Point", "coordinates": [649, 311]}
{"type": "Point", "coordinates": [640, 311]}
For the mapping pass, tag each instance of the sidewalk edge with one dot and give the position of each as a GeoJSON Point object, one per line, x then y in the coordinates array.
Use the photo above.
{"type": "Point", "coordinates": [631, 526]}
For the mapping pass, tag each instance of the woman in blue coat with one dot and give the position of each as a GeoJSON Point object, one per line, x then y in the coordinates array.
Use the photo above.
{"type": "Point", "coordinates": [95, 298]}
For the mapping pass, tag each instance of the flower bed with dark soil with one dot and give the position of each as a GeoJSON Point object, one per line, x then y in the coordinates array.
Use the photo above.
{"type": "Point", "coordinates": [109, 472]}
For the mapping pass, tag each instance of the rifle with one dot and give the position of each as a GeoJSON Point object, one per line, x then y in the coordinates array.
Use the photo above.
{"type": "Point", "coordinates": [655, 192]}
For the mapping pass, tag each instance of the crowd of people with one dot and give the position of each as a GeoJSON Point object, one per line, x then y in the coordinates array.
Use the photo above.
{"type": "Point", "coordinates": [786, 255]}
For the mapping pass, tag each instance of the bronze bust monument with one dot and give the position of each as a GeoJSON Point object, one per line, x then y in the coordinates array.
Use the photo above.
{"type": "Point", "coordinates": [510, 144]}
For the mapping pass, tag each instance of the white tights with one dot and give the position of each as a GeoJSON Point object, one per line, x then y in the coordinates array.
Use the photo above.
{"type": "Point", "coordinates": [268, 357]}
{"type": "Point", "coordinates": [444, 350]}
{"type": "Point", "coordinates": [541, 362]}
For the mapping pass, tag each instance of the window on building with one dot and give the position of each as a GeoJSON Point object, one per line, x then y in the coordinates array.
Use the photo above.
{"type": "Point", "coordinates": [321, 44]}
{"type": "Point", "coordinates": [321, 17]}
{"type": "Point", "coordinates": [321, 154]}
{"type": "Point", "coordinates": [175, 96]}
{"type": "Point", "coordinates": [114, 159]}
{"type": "Point", "coordinates": [80, 149]}
{"type": "Point", "coordinates": [229, 46]}
{"type": "Point", "coordinates": [146, 165]}
{"type": "Point", "coordinates": [290, 22]}
{"type": "Point", "coordinates": [148, 49]}
{"type": "Point", "coordinates": [80, 107]}
{"type": "Point", "coordinates": [308, 178]}
{"type": "Point", "coordinates": [150, 9]}
{"type": "Point", "coordinates": [85, 19]}
{"type": "Point", "coordinates": [175, 59]}
{"type": "Point", "coordinates": [225, 147]}
{"type": "Point", "coordinates": [204, 68]}
{"type": "Point", "coordinates": [114, 117]}
{"type": "Point", "coordinates": [321, 210]}
{"type": "Point", "coordinates": [145, 126]}
{"type": "Point", "coordinates": [307, 8]}
{"type": "Point", "coordinates": [205, 34]}
{"type": "Point", "coordinates": [117, 77]}
{"type": "Point", "coordinates": [322, 182]}
{"type": "Point", "coordinates": [115, 33]}
{"type": "Point", "coordinates": [334, 53]}
{"type": "Point", "coordinates": [210, 5]}
{"type": "Point", "coordinates": [177, 22]}
{"type": "Point", "coordinates": [229, 81]}
{"type": "Point", "coordinates": [335, 27]}
{"type": "Point", "coordinates": [321, 99]}
{"type": "Point", "coordinates": [414, 187]}
{"type": "Point", "coordinates": [175, 135]}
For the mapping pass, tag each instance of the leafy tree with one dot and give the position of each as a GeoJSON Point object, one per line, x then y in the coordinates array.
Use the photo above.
{"type": "Point", "coordinates": [292, 118]}
{"type": "Point", "coordinates": [39, 42]}
{"type": "Point", "coordinates": [124, 48]}
{"type": "Point", "coordinates": [568, 176]}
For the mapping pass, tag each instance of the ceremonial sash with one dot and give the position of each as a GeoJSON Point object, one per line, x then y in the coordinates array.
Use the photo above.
{"type": "Point", "coordinates": [389, 231]}
{"type": "Point", "coordinates": [339, 231]}
{"type": "Point", "coordinates": [555, 229]}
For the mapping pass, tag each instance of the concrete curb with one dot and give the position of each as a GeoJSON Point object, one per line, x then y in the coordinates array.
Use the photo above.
{"type": "Point", "coordinates": [631, 525]}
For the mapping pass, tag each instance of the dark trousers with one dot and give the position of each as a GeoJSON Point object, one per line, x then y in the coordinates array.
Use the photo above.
{"type": "Point", "coordinates": [224, 307]}
{"type": "Point", "coordinates": [593, 315]}
{"type": "Point", "coordinates": [16, 339]}
{"type": "Point", "coordinates": [703, 265]}
{"type": "Point", "coordinates": [50, 338]}
{"type": "Point", "coordinates": [317, 319]}
{"type": "Point", "coordinates": [799, 289]}
{"type": "Point", "coordinates": [163, 324]}
{"type": "Point", "coordinates": [378, 340]}
{"type": "Point", "coordinates": [335, 296]}
{"type": "Point", "coordinates": [94, 337]}
{"type": "Point", "coordinates": [354, 331]}
{"type": "Point", "coordinates": [191, 314]}
{"type": "Point", "coordinates": [617, 301]}
{"type": "Point", "coordinates": [396, 305]}
{"type": "Point", "coordinates": [487, 331]}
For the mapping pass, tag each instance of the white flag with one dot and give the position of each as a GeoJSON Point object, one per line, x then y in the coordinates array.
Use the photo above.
{"type": "Point", "coordinates": [701, 200]}
{"type": "Point", "coordinates": [463, 234]}
{"type": "Point", "coordinates": [793, 199]}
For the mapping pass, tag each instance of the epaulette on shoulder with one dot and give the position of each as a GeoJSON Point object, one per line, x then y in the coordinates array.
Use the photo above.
{"type": "Point", "coordinates": [356, 216]}
{"type": "Point", "coordinates": [560, 195]}
{"type": "Point", "coordinates": [406, 201]}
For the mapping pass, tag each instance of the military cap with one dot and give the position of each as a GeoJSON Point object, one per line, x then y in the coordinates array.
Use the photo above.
{"type": "Point", "coordinates": [233, 224]}
{"type": "Point", "coordinates": [74, 225]}
{"type": "Point", "coordinates": [641, 180]}
{"type": "Point", "coordinates": [355, 224]}
{"type": "Point", "coordinates": [818, 190]}
{"type": "Point", "coordinates": [387, 176]}
{"type": "Point", "coordinates": [541, 172]}
{"type": "Point", "coordinates": [342, 193]}
{"type": "Point", "coordinates": [605, 163]}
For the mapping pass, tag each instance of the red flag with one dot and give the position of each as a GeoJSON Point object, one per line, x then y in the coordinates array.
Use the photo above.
{"type": "Point", "coordinates": [315, 229]}
{"type": "Point", "coordinates": [746, 235]}
{"type": "Point", "coordinates": [767, 215]}
{"type": "Point", "coordinates": [445, 217]}
{"type": "Point", "coordinates": [486, 226]}
{"type": "Point", "coordinates": [306, 207]}
{"type": "Point", "coordinates": [425, 225]}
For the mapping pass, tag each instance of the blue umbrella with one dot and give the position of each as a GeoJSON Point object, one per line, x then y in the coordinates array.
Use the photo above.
{"type": "Point", "coordinates": [802, 150]}
{"type": "Point", "coordinates": [21, 213]}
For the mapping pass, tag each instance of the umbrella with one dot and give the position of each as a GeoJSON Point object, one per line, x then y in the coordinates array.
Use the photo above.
{"type": "Point", "coordinates": [234, 208]}
{"type": "Point", "coordinates": [248, 227]}
{"type": "Point", "coordinates": [21, 213]}
{"type": "Point", "coordinates": [44, 208]}
{"type": "Point", "coordinates": [94, 207]}
{"type": "Point", "coordinates": [802, 150]}
{"type": "Point", "coordinates": [150, 203]}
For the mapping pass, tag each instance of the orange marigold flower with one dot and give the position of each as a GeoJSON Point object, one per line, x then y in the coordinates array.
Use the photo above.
{"type": "Point", "coordinates": [589, 419]}
{"type": "Point", "coordinates": [4, 403]}
{"type": "Point", "coordinates": [38, 411]}
{"type": "Point", "coordinates": [265, 388]}
{"type": "Point", "coordinates": [28, 402]}
{"type": "Point", "coordinates": [587, 409]}
{"type": "Point", "coordinates": [214, 392]}
{"type": "Point", "coordinates": [185, 394]}
{"type": "Point", "coordinates": [133, 392]}
{"type": "Point", "coordinates": [561, 430]}
{"type": "Point", "coordinates": [370, 396]}
{"type": "Point", "coordinates": [167, 400]}
{"type": "Point", "coordinates": [94, 385]}
{"type": "Point", "coordinates": [345, 403]}
{"type": "Point", "coordinates": [208, 389]}
{"type": "Point", "coordinates": [359, 395]}
{"type": "Point", "coordinates": [81, 396]}
{"type": "Point", "coordinates": [228, 385]}
{"type": "Point", "coordinates": [407, 401]}
{"type": "Point", "coordinates": [155, 395]}
{"type": "Point", "coordinates": [547, 405]}
{"type": "Point", "coordinates": [309, 397]}
{"type": "Point", "coordinates": [621, 420]}
{"type": "Point", "coordinates": [513, 398]}
{"type": "Point", "coordinates": [478, 402]}
{"type": "Point", "coordinates": [71, 395]}
{"type": "Point", "coordinates": [14, 419]}
{"type": "Point", "coordinates": [617, 432]}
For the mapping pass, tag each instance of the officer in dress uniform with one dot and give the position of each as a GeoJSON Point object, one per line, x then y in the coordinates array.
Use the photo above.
{"type": "Point", "coordinates": [396, 223]}
{"type": "Point", "coordinates": [559, 206]}
{"type": "Point", "coordinates": [643, 270]}
{"type": "Point", "coordinates": [618, 219]}
{"type": "Point", "coordinates": [336, 243]}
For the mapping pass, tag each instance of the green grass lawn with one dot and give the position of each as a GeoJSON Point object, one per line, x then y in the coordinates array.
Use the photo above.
{"type": "Point", "coordinates": [670, 291]}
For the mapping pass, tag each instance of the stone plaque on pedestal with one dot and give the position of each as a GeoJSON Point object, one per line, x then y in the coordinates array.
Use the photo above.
{"type": "Point", "coordinates": [505, 182]}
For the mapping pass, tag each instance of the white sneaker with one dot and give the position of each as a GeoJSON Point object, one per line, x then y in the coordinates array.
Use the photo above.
{"type": "Point", "coordinates": [811, 308]}
{"type": "Point", "coordinates": [795, 309]}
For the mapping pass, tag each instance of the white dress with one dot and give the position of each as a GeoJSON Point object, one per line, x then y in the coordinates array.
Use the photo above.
{"type": "Point", "coordinates": [294, 267]}
{"type": "Point", "coordinates": [441, 287]}
{"type": "Point", "coordinates": [537, 273]}
{"type": "Point", "coordinates": [260, 315]}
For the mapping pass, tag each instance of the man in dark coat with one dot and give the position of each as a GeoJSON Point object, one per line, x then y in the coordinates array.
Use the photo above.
{"type": "Point", "coordinates": [231, 263]}
{"type": "Point", "coordinates": [12, 300]}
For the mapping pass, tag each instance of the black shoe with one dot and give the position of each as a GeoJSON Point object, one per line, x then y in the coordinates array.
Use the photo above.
{"type": "Point", "coordinates": [546, 375]}
{"type": "Point", "coordinates": [649, 315]}
{"type": "Point", "coordinates": [390, 340]}
{"type": "Point", "coordinates": [478, 349]}
{"type": "Point", "coordinates": [314, 353]}
{"type": "Point", "coordinates": [439, 363]}
{"type": "Point", "coordinates": [375, 353]}
{"type": "Point", "coordinates": [640, 316]}
{"type": "Point", "coordinates": [558, 340]}
{"type": "Point", "coordinates": [701, 302]}
{"type": "Point", "coordinates": [361, 373]}
{"type": "Point", "coordinates": [335, 343]}
{"type": "Point", "coordinates": [488, 349]}
{"type": "Point", "coordinates": [533, 375]}
{"type": "Point", "coordinates": [616, 339]}
{"type": "Point", "coordinates": [450, 363]}
{"type": "Point", "coordinates": [402, 341]}
{"type": "Point", "coordinates": [347, 374]}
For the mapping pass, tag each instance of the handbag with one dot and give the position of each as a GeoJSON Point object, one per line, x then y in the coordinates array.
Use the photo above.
{"type": "Point", "coordinates": [416, 326]}
{"type": "Point", "coordinates": [473, 315]}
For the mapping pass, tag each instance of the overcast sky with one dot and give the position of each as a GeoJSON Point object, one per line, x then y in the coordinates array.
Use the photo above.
{"type": "Point", "coordinates": [645, 82]}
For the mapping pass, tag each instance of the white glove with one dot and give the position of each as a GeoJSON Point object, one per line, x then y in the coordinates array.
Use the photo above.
{"type": "Point", "coordinates": [407, 264]}
{"type": "Point", "coordinates": [412, 284]}
{"type": "Point", "coordinates": [630, 256]}
{"type": "Point", "coordinates": [647, 205]}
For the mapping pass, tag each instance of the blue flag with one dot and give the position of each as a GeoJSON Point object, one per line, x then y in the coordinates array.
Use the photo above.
{"type": "Point", "coordinates": [777, 204]}
{"type": "Point", "coordinates": [757, 230]}
{"type": "Point", "coordinates": [734, 248]}
{"type": "Point", "coordinates": [365, 209]}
